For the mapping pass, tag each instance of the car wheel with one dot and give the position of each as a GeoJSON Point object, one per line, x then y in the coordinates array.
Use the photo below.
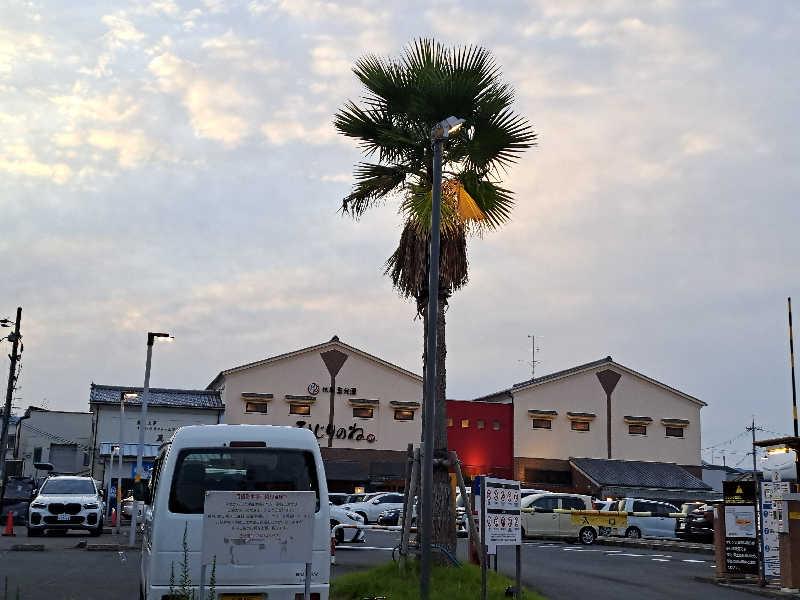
{"type": "Point", "coordinates": [587, 536]}
{"type": "Point", "coordinates": [35, 532]}
{"type": "Point", "coordinates": [633, 533]}
{"type": "Point", "coordinates": [524, 533]}
{"type": "Point", "coordinates": [97, 531]}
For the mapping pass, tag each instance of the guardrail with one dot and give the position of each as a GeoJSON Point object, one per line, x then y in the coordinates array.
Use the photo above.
{"type": "Point", "coordinates": [602, 513]}
{"type": "Point", "coordinates": [336, 528]}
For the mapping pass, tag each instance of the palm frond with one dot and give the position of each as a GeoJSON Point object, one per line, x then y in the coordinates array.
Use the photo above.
{"type": "Point", "coordinates": [373, 183]}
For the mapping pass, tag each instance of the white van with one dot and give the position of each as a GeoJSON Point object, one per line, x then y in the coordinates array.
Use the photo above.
{"type": "Point", "coordinates": [230, 458]}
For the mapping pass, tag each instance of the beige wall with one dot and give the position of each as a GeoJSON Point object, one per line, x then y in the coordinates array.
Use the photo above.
{"type": "Point", "coordinates": [583, 393]}
{"type": "Point", "coordinates": [292, 375]}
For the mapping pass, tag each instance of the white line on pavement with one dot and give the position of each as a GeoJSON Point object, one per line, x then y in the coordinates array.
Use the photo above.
{"type": "Point", "coordinates": [660, 559]}
{"type": "Point", "coordinates": [338, 548]}
{"type": "Point", "coordinates": [693, 561]}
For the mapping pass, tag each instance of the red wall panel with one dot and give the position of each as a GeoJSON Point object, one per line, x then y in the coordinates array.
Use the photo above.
{"type": "Point", "coordinates": [482, 451]}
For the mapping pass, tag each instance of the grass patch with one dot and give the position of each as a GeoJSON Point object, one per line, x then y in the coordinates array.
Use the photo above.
{"type": "Point", "coordinates": [397, 582]}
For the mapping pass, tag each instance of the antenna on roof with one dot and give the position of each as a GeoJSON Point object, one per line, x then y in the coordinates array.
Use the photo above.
{"type": "Point", "coordinates": [534, 350]}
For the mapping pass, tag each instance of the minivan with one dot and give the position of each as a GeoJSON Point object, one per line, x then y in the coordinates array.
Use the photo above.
{"type": "Point", "coordinates": [240, 458]}
{"type": "Point", "coordinates": [544, 522]}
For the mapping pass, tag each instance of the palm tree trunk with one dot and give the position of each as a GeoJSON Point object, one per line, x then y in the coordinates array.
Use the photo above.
{"type": "Point", "coordinates": [444, 518]}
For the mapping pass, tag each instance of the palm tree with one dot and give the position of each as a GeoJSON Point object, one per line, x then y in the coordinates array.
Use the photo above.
{"type": "Point", "coordinates": [404, 98]}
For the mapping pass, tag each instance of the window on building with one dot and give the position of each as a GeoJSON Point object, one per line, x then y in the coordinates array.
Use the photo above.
{"type": "Point", "coordinates": [256, 407]}
{"type": "Point", "coordinates": [542, 423]}
{"type": "Point", "coordinates": [403, 415]}
{"type": "Point", "coordinates": [580, 425]}
{"type": "Point", "coordinates": [449, 422]}
{"type": "Point", "coordinates": [481, 424]}
{"type": "Point", "coordinates": [674, 432]}
{"type": "Point", "coordinates": [548, 476]}
{"type": "Point", "coordinates": [363, 412]}
{"type": "Point", "coordinates": [299, 409]}
{"type": "Point", "coordinates": [496, 425]}
{"type": "Point", "coordinates": [37, 454]}
{"type": "Point", "coordinates": [637, 429]}
{"type": "Point", "coordinates": [464, 423]}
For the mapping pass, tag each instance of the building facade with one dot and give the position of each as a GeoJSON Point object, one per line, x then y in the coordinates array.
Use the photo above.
{"type": "Point", "coordinates": [363, 410]}
{"type": "Point", "coordinates": [61, 438]}
{"type": "Point", "coordinates": [482, 435]}
{"type": "Point", "coordinates": [606, 411]}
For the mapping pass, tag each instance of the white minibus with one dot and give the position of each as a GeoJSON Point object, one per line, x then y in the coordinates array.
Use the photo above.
{"type": "Point", "coordinates": [230, 458]}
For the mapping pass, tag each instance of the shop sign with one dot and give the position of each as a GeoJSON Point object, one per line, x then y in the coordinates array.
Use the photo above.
{"type": "Point", "coordinates": [347, 391]}
{"type": "Point", "coordinates": [741, 548]}
{"type": "Point", "coordinates": [353, 432]}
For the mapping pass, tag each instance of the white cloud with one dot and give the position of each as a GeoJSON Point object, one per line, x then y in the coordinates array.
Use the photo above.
{"type": "Point", "coordinates": [345, 12]}
{"type": "Point", "coordinates": [18, 158]}
{"type": "Point", "coordinates": [246, 55]}
{"type": "Point", "coordinates": [133, 147]}
{"type": "Point", "coordinates": [114, 107]}
{"type": "Point", "coordinates": [696, 143]}
{"type": "Point", "coordinates": [120, 31]}
{"type": "Point", "coordinates": [20, 47]}
{"type": "Point", "coordinates": [215, 107]}
{"type": "Point", "coordinates": [330, 60]}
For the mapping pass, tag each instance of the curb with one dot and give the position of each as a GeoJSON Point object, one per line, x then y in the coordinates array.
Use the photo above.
{"type": "Point", "coordinates": [27, 548]}
{"type": "Point", "coordinates": [106, 547]}
{"type": "Point", "coordinates": [752, 588]}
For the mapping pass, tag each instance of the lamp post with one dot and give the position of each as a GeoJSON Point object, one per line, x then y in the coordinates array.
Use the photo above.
{"type": "Point", "coordinates": [122, 397]}
{"type": "Point", "coordinates": [151, 338]}
{"type": "Point", "coordinates": [439, 135]}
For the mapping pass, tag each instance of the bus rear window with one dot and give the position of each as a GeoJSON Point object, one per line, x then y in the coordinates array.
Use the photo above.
{"type": "Point", "coordinates": [239, 470]}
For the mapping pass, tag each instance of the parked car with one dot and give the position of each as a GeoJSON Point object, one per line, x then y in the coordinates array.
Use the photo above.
{"type": "Point", "coordinates": [338, 499]}
{"type": "Point", "coordinates": [390, 516]}
{"type": "Point", "coordinates": [353, 498]}
{"type": "Point", "coordinates": [370, 509]}
{"type": "Point", "coordinates": [658, 526]}
{"type": "Point", "coordinates": [546, 523]}
{"type": "Point", "coordinates": [242, 458]}
{"type": "Point", "coordinates": [697, 525]}
{"type": "Point", "coordinates": [64, 503]}
{"type": "Point", "coordinates": [604, 505]}
{"type": "Point", "coordinates": [339, 516]}
{"type": "Point", "coordinates": [127, 508]}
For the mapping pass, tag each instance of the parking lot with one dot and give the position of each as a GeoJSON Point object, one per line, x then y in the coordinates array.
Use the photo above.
{"type": "Point", "coordinates": [65, 569]}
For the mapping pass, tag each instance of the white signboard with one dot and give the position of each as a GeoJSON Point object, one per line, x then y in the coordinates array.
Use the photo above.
{"type": "Point", "coordinates": [740, 521]}
{"type": "Point", "coordinates": [252, 528]}
{"type": "Point", "coordinates": [770, 498]}
{"type": "Point", "coordinates": [502, 512]}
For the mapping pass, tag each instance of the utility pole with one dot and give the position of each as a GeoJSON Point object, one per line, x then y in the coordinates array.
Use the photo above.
{"type": "Point", "coordinates": [12, 378]}
{"type": "Point", "coordinates": [794, 393]}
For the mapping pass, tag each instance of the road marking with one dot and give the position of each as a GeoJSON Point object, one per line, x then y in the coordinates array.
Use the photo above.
{"type": "Point", "coordinates": [660, 559]}
{"type": "Point", "coordinates": [627, 554]}
{"type": "Point", "coordinates": [692, 560]}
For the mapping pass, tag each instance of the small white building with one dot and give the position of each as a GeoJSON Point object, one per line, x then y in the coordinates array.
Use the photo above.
{"type": "Point", "coordinates": [62, 438]}
{"type": "Point", "coordinates": [167, 410]}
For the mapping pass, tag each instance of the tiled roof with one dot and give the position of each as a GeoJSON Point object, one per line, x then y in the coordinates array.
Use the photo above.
{"type": "Point", "coordinates": [578, 369]}
{"type": "Point", "coordinates": [110, 394]}
{"type": "Point", "coordinates": [334, 342]}
{"type": "Point", "coordinates": [638, 474]}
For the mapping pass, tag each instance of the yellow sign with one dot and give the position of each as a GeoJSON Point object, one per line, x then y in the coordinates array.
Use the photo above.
{"type": "Point", "coordinates": [794, 515]}
{"type": "Point", "coordinates": [599, 520]}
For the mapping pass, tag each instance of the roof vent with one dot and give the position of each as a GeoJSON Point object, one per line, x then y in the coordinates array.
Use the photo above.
{"type": "Point", "coordinates": [335, 338]}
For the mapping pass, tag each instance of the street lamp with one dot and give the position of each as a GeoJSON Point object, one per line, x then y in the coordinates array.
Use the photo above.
{"type": "Point", "coordinates": [151, 338]}
{"type": "Point", "coordinates": [122, 397]}
{"type": "Point", "coordinates": [439, 134]}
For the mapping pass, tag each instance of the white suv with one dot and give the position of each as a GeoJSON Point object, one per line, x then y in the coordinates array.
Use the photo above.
{"type": "Point", "coordinates": [66, 503]}
{"type": "Point", "coordinates": [370, 509]}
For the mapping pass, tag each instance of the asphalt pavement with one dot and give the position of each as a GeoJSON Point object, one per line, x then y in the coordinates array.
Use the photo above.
{"type": "Point", "coordinates": [558, 570]}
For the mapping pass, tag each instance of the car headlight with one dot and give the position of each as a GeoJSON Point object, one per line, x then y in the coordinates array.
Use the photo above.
{"type": "Point", "coordinates": [38, 505]}
{"type": "Point", "coordinates": [91, 505]}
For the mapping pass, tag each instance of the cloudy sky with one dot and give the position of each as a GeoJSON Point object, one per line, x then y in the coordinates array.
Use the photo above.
{"type": "Point", "coordinates": [171, 165]}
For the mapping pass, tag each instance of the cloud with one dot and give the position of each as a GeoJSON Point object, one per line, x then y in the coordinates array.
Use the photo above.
{"type": "Point", "coordinates": [17, 158]}
{"type": "Point", "coordinates": [347, 12]}
{"type": "Point", "coordinates": [214, 106]}
{"type": "Point", "coordinates": [114, 107]}
{"type": "Point", "coordinates": [18, 47]}
{"type": "Point", "coordinates": [120, 31]}
{"type": "Point", "coordinates": [246, 55]}
{"type": "Point", "coordinates": [133, 147]}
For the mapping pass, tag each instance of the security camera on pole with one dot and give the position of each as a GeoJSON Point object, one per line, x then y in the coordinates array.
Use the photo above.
{"type": "Point", "coordinates": [151, 337]}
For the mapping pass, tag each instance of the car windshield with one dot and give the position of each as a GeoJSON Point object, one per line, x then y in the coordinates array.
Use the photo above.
{"type": "Point", "coordinates": [68, 487]}
{"type": "Point", "coordinates": [239, 470]}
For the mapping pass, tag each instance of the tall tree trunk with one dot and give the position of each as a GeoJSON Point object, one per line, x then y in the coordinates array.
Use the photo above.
{"type": "Point", "coordinates": [444, 518]}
